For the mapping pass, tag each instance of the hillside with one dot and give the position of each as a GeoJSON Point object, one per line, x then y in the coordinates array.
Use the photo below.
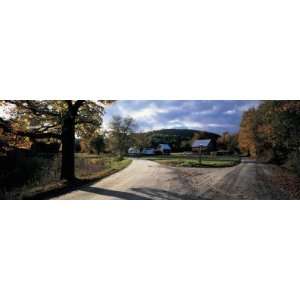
{"type": "Point", "coordinates": [178, 139]}
{"type": "Point", "coordinates": [184, 133]}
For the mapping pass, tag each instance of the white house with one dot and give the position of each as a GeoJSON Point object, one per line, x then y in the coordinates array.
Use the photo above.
{"type": "Point", "coordinates": [133, 151]}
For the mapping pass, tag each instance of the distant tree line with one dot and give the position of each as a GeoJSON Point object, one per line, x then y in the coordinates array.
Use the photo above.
{"type": "Point", "coordinates": [179, 139]}
{"type": "Point", "coordinates": [229, 142]}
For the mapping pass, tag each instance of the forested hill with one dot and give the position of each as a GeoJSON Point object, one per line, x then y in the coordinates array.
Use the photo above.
{"type": "Point", "coordinates": [178, 139]}
{"type": "Point", "coordinates": [185, 133]}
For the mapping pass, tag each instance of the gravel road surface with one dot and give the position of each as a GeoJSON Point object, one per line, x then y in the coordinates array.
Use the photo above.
{"type": "Point", "coordinates": [144, 179]}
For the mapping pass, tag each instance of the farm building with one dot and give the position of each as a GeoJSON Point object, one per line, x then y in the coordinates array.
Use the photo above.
{"type": "Point", "coordinates": [205, 146]}
{"type": "Point", "coordinates": [163, 149]}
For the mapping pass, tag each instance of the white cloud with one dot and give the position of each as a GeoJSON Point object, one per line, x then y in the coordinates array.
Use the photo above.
{"type": "Point", "coordinates": [217, 125]}
{"type": "Point", "coordinates": [208, 111]}
{"type": "Point", "coordinates": [148, 112]}
{"type": "Point", "coordinates": [192, 124]}
{"type": "Point", "coordinates": [248, 106]}
{"type": "Point", "coordinates": [230, 112]}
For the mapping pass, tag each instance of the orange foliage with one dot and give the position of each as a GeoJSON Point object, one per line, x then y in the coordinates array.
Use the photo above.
{"type": "Point", "coordinates": [246, 136]}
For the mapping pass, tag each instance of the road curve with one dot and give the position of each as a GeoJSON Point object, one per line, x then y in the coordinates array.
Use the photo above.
{"type": "Point", "coordinates": [147, 180]}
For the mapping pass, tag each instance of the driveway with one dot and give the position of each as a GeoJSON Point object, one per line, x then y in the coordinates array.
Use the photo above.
{"type": "Point", "coordinates": [144, 179]}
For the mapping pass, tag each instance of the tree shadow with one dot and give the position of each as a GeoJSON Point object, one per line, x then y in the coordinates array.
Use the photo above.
{"type": "Point", "coordinates": [139, 194]}
{"type": "Point", "coordinates": [112, 193]}
{"type": "Point", "coordinates": [164, 195]}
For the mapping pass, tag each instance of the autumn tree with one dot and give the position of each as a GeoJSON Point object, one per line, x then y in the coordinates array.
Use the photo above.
{"type": "Point", "coordinates": [141, 140]}
{"type": "Point", "coordinates": [9, 138]}
{"type": "Point", "coordinates": [223, 140]}
{"type": "Point", "coordinates": [97, 143]}
{"type": "Point", "coordinates": [272, 131]}
{"type": "Point", "coordinates": [278, 128]}
{"type": "Point", "coordinates": [246, 137]}
{"type": "Point", "coordinates": [120, 134]}
{"type": "Point", "coordinates": [58, 120]}
{"type": "Point", "coordinates": [228, 141]}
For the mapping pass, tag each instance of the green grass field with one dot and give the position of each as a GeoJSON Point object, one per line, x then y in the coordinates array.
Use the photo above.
{"type": "Point", "coordinates": [180, 160]}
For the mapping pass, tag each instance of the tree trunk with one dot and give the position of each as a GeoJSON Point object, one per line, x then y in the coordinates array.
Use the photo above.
{"type": "Point", "coordinates": [68, 146]}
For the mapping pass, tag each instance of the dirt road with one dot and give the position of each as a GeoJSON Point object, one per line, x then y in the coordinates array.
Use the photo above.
{"type": "Point", "coordinates": [145, 179]}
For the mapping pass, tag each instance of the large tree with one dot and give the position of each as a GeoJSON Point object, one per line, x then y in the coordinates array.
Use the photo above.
{"type": "Point", "coordinates": [121, 134]}
{"type": "Point", "coordinates": [278, 128]}
{"type": "Point", "coordinates": [58, 120]}
{"type": "Point", "coordinates": [246, 139]}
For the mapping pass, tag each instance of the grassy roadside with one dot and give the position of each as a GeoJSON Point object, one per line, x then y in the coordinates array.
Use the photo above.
{"type": "Point", "coordinates": [193, 161]}
{"type": "Point", "coordinates": [57, 188]}
{"type": "Point", "coordinates": [197, 164]}
{"type": "Point", "coordinates": [113, 167]}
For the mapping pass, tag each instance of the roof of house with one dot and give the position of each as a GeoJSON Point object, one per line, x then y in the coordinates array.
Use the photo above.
{"type": "Point", "coordinates": [200, 143]}
{"type": "Point", "coordinates": [165, 146]}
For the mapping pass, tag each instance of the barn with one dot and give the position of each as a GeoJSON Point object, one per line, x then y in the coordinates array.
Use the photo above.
{"type": "Point", "coordinates": [206, 146]}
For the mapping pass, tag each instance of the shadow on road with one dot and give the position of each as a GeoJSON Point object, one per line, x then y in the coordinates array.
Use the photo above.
{"type": "Point", "coordinates": [112, 193]}
{"type": "Point", "coordinates": [163, 194]}
{"type": "Point", "coordinates": [140, 194]}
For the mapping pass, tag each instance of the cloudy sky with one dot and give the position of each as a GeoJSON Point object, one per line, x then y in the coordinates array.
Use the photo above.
{"type": "Point", "coordinates": [215, 116]}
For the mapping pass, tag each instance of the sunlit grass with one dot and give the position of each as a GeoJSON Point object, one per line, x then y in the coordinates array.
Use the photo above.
{"type": "Point", "coordinates": [178, 160]}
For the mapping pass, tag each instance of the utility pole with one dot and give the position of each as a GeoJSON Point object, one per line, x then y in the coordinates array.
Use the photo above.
{"type": "Point", "coordinates": [200, 155]}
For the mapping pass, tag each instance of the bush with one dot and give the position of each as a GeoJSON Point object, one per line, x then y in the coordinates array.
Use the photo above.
{"type": "Point", "coordinates": [18, 172]}
{"type": "Point", "coordinates": [293, 162]}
